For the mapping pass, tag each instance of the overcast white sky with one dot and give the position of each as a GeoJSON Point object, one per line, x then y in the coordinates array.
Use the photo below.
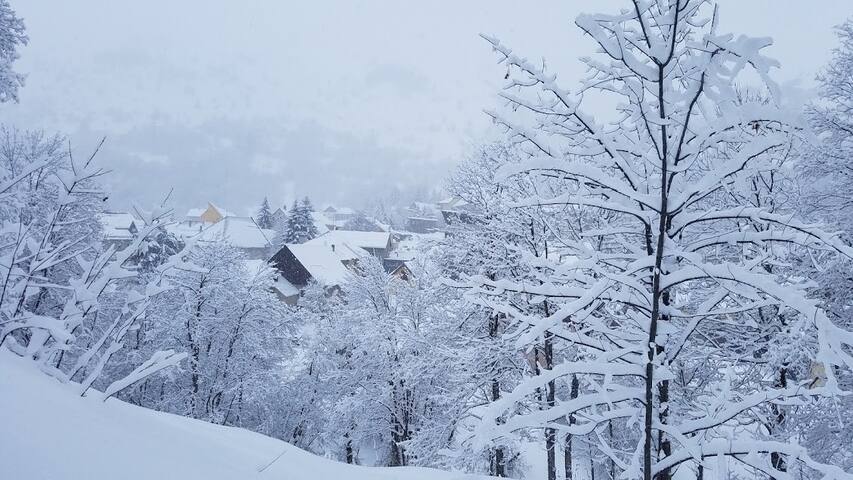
{"type": "Point", "coordinates": [340, 100]}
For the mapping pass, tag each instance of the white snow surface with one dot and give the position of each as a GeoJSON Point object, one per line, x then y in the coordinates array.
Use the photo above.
{"type": "Point", "coordinates": [53, 434]}
{"type": "Point", "coordinates": [241, 232]}
{"type": "Point", "coordinates": [355, 239]}
{"type": "Point", "coordinates": [322, 263]}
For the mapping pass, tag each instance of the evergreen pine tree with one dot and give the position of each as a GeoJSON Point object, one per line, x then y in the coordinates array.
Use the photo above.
{"type": "Point", "coordinates": [291, 225]}
{"type": "Point", "coordinates": [308, 219]}
{"type": "Point", "coordinates": [300, 223]}
{"type": "Point", "coordinates": [264, 216]}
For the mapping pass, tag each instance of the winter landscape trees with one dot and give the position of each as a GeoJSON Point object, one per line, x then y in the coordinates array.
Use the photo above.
{"type": "Point", "coordinates": [656, 291]}
{"type": "Point", "coordinates": [646, 303]}
{"type": "Point", "coordinates": [12, 36]}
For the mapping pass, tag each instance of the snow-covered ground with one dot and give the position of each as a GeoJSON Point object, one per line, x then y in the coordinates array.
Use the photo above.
{"type": "Point", "coordinates": [51, 433]}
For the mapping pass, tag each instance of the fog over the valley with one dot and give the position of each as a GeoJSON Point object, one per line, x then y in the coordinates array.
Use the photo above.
{"type": "Point", "coordinates": [230, 101]}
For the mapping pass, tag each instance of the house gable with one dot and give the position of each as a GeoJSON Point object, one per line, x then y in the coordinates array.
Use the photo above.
{"type": "Point", "coordinates": [290, 267]}
{"type": "Point", "coordinates": [211, 214]}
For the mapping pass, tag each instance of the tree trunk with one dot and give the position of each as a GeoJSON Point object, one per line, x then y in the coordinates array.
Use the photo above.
{"type": "Point", "coordinates": [498, 461]}
{"type": "Point", "coordinates": [659, 297]}
{"type": "Point", "coordinates": [550, 433]}
{"type": "Point", "coordinates": [350, 453]}
{"type": "Point", "coordinates": [777, 460]}
{"type": "Point", "coordinates": [567, 451]}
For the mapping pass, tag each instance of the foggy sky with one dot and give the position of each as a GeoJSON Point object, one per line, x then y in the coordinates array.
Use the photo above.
{"type": "Point", "coordinates": [230, 101]}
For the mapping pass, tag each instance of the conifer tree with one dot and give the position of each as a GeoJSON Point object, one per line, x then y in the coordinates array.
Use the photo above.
{"type": "Point", "coordinates": [264, 216]}
{"type": "Point", "coordinates": [300, 223]}
{"type": "Point", "coordinates": [12, 35]}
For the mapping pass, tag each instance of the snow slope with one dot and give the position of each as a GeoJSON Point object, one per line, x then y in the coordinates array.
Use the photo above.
{"type": "Point", "coordinates": [48, 432]}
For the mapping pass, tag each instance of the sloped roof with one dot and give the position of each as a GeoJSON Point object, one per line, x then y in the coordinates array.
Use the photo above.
{"type": "Point", "coordinates": [339, 210]}
{"type": "Point", "coordinates": [355, 239]}
{"type": "Point", "coordinates": [342, 250]}
{"type": "Point", "coordinates": [285, 288]}
{"type": "Point", "coordinates": [241, 232]}
{"type": "Point", "coordinates": [197, 212]}
{"type": "Point", "coordinates": [117, 225]}
{"type": "Point", "coordinates": [321, 262]}
{"type": "Point", "coordinates": [391, 265]}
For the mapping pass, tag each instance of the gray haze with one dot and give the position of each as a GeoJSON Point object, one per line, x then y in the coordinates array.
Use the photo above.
{"type": "Point", "coordinates": [229, 101]}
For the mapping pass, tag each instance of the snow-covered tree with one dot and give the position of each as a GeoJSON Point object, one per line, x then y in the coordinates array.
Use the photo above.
{"type": "Point", "coordinates": [223, 313]}
{"type": "Point", "coordinates": [12, 36]}
{"type": "Point", "coordinates": [264, 216]}
{"type": "Point", "coordinates": [156, 250]}
{"type": "Point", "coordinates": [827, 193]}
{"type": "Point", "coordinates": [300, 222]}
{"type": "Point", "coordinates": [66, 302]}
{"type": "Point", "coordinates": [830, 168]}
{"type": "Point", "coordinates": [672, 314]}
{"type": "Point", "coordinates": [377, 366]}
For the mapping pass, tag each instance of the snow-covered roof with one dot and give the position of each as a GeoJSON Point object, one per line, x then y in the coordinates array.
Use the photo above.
{"type": "Point", "coordinates": [197, 212]}
{"type": "Point", "coordinates": [321, 262]}
{"type": "Point", "coordinates": [117, 226]}
{"type": "Point", "coordinates": [339, 210]}
{"type": "Point", "coordinates": [182, 230]}
{"type": "Point", "coordinates": [241, 232]}
{"type": "Point", "coordinates": [409, 247]}
{"type": "Point", "coordinates": [355, 239]}
{"type": "Point", "coordinates": [345, 211]}
{"type": "Point", "coordinates": [452, 202]}
{"type": "Point", "coordinates": [284, 287]}
{"type": "Point", "coordinates": [342, 250]}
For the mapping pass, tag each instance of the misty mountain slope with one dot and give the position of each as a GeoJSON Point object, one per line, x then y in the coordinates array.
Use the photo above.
{"type": "Point", "coordinates": [62, 436]}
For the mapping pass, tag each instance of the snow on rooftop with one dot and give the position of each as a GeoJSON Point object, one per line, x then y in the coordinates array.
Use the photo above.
{"type": "Point", "coordinates": [408, 248]}
{"type": "Point", "coordinates": [344, 251]}
{"type": "Point", "coordinates": [117, 226]}
{"type": "Point", "coordinates": [355, 239]}
{"type": "Point", "coordinates": [197, 212]}
{"type": "Point", "coordinates": [241, 232]}
{"type": "Point", "coordinates": [322, 263]}
{"type": "Point", "coordinates": [284, 287]}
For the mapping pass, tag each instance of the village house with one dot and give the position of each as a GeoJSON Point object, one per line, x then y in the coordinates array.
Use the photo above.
{"type": "Point", "coordinates": [299, 264]}
{"type": "Point", "coordinates": [329, 258]}
{"type": "Point", "coordinates": [242, 233]}
{"type": "Point", "coordinates": [397, 267]}
{"type": "Point", "coordinates": [118, 228]}
{"type": "Point", "coordinates": [338, 216]}
{"type": "Point", "coordinates": [279, 218]}
{"type": "Point", "coordinates": [209, 214]}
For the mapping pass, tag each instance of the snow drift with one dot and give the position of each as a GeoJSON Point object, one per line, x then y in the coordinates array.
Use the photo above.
{"type": "Point", "coordinates": [51, 433]}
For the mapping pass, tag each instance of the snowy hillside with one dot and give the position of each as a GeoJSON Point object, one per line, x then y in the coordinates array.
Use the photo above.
{"type": "Point", "coordinates": [62, 436]}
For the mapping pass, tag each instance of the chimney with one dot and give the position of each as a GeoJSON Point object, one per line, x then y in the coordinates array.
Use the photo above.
{"type": "Point", "coordinates": [333, 247]}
